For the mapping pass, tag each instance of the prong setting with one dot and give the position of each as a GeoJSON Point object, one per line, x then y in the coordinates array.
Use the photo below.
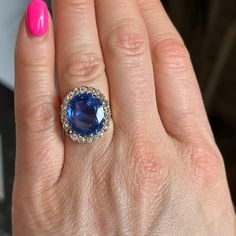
{"type": "Point", "coordinates": [75, 136]}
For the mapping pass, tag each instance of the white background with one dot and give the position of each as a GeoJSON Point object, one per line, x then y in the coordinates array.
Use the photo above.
{"type": "Point", "coordinates": [11, 12]}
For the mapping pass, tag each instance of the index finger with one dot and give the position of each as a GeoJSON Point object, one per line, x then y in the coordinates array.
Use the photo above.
{"type": "Point", "coordinates": [39, 143]}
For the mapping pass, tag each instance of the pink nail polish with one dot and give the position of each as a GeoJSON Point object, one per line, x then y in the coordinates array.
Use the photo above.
{"type": "Point", "coordinates": [37, 18]}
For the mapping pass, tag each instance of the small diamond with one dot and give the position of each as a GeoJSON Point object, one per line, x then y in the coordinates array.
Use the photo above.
{"type": "Point", "coordinates": [74, 137]}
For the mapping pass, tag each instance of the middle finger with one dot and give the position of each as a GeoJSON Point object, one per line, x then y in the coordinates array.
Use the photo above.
{"type": "Point", "coordinates": [78, 53]}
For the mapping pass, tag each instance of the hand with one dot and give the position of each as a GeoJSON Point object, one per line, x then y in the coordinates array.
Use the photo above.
{"type": "Point", "coordinates": [157, 171]}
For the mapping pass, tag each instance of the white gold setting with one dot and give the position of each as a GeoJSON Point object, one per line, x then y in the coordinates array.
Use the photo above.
{"type": "Point", "coordinates": [107, 114]}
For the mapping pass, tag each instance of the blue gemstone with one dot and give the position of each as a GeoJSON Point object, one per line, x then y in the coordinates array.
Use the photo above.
{"type": "Point", "coordinates": [85, 114]}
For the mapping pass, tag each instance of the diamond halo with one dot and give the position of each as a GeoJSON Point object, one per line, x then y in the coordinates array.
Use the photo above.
{"type": "Point", "coordinates": [76, 136]}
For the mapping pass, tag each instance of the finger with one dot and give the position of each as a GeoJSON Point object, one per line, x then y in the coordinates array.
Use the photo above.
{"type": "Point", "coordinates": [178, 96]}
{"type": "Point", "coordinates": [39, 147]}
{"type": "Point", "coordinates": [78, 52]}
{"type": "Point", "coordinates": [79, 63]}
{"type": "Point", "coordinates": [128, 65]}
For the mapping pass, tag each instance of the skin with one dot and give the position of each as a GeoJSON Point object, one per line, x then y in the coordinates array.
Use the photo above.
{"type": "Point", "coordinates": [157, 171]}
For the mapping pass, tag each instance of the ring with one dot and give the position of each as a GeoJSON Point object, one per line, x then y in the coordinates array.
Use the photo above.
{"type": "Point", "coordinates": [85, 114]}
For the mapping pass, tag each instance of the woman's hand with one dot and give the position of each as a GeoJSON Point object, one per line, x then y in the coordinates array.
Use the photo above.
{"type": "Point", "coordinates": [157, 171]}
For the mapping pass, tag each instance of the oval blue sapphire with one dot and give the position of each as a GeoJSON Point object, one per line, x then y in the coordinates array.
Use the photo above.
{"type": "Point", "coordinates": [85, 114]}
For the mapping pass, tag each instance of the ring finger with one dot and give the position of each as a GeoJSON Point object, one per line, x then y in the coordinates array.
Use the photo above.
{"type": "Point", "coordinates": [125, 45]}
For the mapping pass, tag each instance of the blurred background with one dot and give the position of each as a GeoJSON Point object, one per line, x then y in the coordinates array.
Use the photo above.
{"type": "Point", "coordinates": [208, 28]}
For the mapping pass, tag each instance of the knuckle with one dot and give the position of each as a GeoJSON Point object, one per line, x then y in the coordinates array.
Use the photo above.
{"type": "Point", "coordinates": [150, 172]}
{"type": "Point", "coordinates": [37, 67]}
{"type": "Point", "coordinates": [206, 165]}
{"type": "Point", "coordinates": [171, 54]}
{"type": "Point", "coordinates": [37, 117]}
{"type": "Point", "coordinates": [150, 169]}
{"type": "Point", "coordinates": [84, 68]}
{"type": "Point", "coordinates": [127, 43]}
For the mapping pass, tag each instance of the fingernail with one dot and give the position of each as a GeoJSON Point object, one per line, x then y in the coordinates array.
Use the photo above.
{"type": "Point", "coordinates": [37, 18]}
